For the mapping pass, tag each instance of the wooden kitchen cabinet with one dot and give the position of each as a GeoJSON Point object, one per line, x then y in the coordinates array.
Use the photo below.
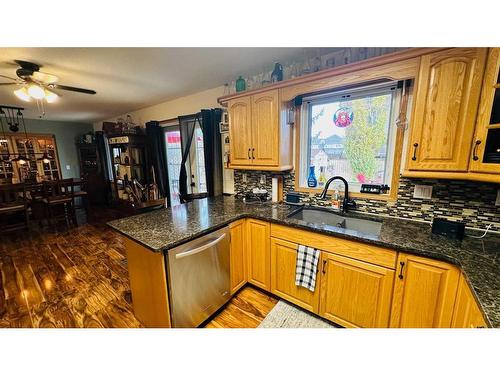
{"type": "Point", "coordinates": [355, 293]}
{"type": "Point", "coordinates": [467, 313]}
{"type": "Point", "coordinates": [259, 138]}
{"type": "Point", "coordinates": [487, 137]}
{"type": "Point", "coordinates": [445, 107]}
{"type": "Point", "coordinates": [283, 262]}
{"type": "Point", "coordinates": [258, 253]}
{"type": "Point", "coordinates": [240, 131]}
{"type": "Point", "coordinates": [424, 293]}
{"type": "Point", "coordinates": [265, 128]}
{"type": "Point", "coordinates": [238, 255]}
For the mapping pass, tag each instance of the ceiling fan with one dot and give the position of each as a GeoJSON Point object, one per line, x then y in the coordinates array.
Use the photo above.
{"type": "Point", "coordinates": [38, 85]}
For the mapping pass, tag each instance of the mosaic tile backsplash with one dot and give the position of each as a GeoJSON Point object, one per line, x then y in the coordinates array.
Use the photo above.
{"type": "Point", "coordinates": [470, 202]}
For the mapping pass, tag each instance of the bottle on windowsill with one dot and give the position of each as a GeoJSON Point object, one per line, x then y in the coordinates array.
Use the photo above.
{"type": "Point", "coordinates": [322, 177]}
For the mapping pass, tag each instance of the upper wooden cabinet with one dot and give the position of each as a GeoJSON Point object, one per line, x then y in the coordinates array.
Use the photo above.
{"type": "Point", "coordinates": [424, 293]}
{"type": "Point", "coordinates": [240, 131]}
{"type": "Point", "coordinates": [259, 137]}
{"type": "Point", "coordinates": [487, 138]}
{"type": "Point", "coordinates": [258, 253]}
{"type": "Point", "coordinates": [467, 313]}
{"type": "Point", "coordinates": [238, 255]}
{"type": "Point", "coordinates": [445, 106]}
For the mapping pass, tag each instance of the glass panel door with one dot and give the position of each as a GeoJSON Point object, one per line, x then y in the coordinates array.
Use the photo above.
{"type": "Point", "coordinates": [174, 158]}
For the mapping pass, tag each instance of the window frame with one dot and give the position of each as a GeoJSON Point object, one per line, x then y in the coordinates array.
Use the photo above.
{"type": "Point", "coordinates": [395, 144]}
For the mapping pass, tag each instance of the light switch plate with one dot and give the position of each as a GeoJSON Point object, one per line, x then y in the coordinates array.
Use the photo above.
{"type": "Point", "coordinates": [244, 178]}
{"type": "Point", "coordinates": [262, 179]}
{"type": "Point", "coordinates": [422, 192]}
{"type": "Point", "coordinates": [497, 202]}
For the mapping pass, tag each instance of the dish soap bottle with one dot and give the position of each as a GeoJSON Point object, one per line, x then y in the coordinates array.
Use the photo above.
{"type": "Point", "coordinates": [241, 85]}
{"type": "Point", "coordinates": [311, 180]}
{"type": "Point", "coordinates": [322, 177]}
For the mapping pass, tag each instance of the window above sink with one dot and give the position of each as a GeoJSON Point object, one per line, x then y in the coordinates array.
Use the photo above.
{"type": "Point", "coordinates": [353, 134]}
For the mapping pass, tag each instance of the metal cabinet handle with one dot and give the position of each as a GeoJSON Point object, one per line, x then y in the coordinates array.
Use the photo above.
{"type": "Point", "coordinates": [201, 248]}
{"type": "Point", "coordinates": [249, 157]}
{"type": "Point", "coordinates": [415, 145]}
{"type": "Point", "coordinates": [474, 155]}
{"type": "Point", "coordinates": [401, 270]}
{"type": "Point", "coordinates": [323, 271]}
{"type": "Point", "coordinates": [253, 150]}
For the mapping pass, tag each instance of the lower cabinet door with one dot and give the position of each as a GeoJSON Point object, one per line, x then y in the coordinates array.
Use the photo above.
{"type": "Point", "coordinates": [424, 293]}
{"type": "Point", "coordinates": [355, 293]}
{"type": "Point", "coordinates": [258, 253]}
{"type": "Point", "coordinates": [467, 313]}
{"type": "Point", "coordinates": [283, 261]}
{"type": "Point", "coordinates": [238, 255]}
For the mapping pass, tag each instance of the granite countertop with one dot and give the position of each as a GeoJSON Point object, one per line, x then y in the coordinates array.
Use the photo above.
{"type": "Point", "coordinates": [479, 259]}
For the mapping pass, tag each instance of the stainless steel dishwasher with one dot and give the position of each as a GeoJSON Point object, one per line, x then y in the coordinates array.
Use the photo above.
{"type": "Point", "coordinates": [198, 275]}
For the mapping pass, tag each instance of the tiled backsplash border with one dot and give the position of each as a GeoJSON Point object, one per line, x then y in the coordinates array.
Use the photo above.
{"type": "Point", "coordinates": [467, 201]}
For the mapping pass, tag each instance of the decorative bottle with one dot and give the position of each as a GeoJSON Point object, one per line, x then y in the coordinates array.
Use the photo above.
{"type": "Point", "coordinates": [277, 74]}
{"type": "Point", "coordinates": [322, 177]}
{"type": "Point", "coordinates": [311, 180]}
{"type": "Point", "coordinates": [240, 84]}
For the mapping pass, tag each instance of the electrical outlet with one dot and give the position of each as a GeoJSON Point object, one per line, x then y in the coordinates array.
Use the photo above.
{"type": "Point", "coordinates": [497, 202]}
{"type": "Point", "coordinates": [244, 178]}
{"type": "Point", "coordinates": [262, 179]}
{"type": "Point", "coordinates": [422, 192]}
{"type": "Point", "coordinates": [68, 167]}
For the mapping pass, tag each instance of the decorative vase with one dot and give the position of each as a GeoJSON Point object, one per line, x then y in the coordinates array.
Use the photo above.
{"type": "Point", "coordinates": [311, 180]}
{"type": "Point", "coordinates": [277, 74]}
{"type": "Point", "coordinates": [240, 84]}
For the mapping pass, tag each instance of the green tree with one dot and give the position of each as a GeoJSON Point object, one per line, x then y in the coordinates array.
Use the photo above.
{"type": "Point", "coordinates": [367, 134]}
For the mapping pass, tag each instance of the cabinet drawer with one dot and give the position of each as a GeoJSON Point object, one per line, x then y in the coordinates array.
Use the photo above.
{"type": "Point", "coordinates": [352, 249]}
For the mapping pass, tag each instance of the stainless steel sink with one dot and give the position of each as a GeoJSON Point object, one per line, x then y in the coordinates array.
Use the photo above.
{"type": "Point", "coordinates": [323, 216]}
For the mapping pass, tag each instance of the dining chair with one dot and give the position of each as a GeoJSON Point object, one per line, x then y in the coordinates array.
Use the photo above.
{"type": "Point", "coordinates": [58, 200]}
{"type": "Point", "coordinates": [13, 202]}
{"type": "Point", "coordinates": [82, 195]}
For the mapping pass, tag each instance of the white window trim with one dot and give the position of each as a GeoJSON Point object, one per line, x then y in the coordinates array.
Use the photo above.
{"type": "Point", "coordinates": [303, 167]}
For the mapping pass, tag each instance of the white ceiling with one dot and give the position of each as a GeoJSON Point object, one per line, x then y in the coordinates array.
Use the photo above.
{"type": "Point", "coordinates": [127, 79]}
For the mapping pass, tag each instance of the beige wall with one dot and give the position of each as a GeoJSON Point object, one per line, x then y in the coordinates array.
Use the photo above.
{"type": "Point", "coordinates": [174, 108]}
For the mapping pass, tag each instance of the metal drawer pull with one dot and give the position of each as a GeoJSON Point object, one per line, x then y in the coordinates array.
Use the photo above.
{"type": "Point", "coordinates": [201, 248]}
{"type": "Point", "coordinates": [474, 155]}
{"type": "Point", "coordinates": [415, 145]}
{"type": "Point", "coordinates": [253, 150]}
{"type": "Point", "coordinates": [401, 270]}
{"type": "Point", "coordinates": [324, 267]}
{"type": "Point", "coordinates": [249, 157]}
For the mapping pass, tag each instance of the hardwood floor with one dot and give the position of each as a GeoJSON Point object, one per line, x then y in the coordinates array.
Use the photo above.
{"type": "Point", "coordinates": [74, 278]}
{"type": "Point", "coordinates": [78, 278]}
{"type": "Point", "coordinates": [245, 310]}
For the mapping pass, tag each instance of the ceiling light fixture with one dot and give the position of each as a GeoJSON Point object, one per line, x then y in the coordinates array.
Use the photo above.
{"type": "Point", "coordinates": [36, 91]}
{"type": "Point", "coordinates": [50, 96]}
{"type": "Point", "coordinates": [23, 94]}
{"type": "Point", "coordinates": [46, 158]}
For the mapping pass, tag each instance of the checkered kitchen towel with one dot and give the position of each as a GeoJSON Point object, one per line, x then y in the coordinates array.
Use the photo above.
{"type": "Point", "coordinates": [306, 267]}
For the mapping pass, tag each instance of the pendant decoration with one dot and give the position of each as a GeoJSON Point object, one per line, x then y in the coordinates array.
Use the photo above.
{"type": "Point", "coordinates": [343, 116]}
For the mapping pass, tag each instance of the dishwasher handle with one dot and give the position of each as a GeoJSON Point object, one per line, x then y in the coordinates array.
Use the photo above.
{"type": "Point", "coordinates": [201, 248]}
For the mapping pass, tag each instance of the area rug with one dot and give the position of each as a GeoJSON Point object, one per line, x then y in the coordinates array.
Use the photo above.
{"type": "Point", "coordinates": [285, 315]}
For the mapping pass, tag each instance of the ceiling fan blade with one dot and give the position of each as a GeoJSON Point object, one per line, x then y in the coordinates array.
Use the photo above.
{"type": "Point", "coordinates": [45, 77]}
{"type": "Point", "coordinates": [70, 88]}
{"type": "Point", "coordinates": [8, 83]}
{"type": "Point", "coordinates": [13, 79]}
